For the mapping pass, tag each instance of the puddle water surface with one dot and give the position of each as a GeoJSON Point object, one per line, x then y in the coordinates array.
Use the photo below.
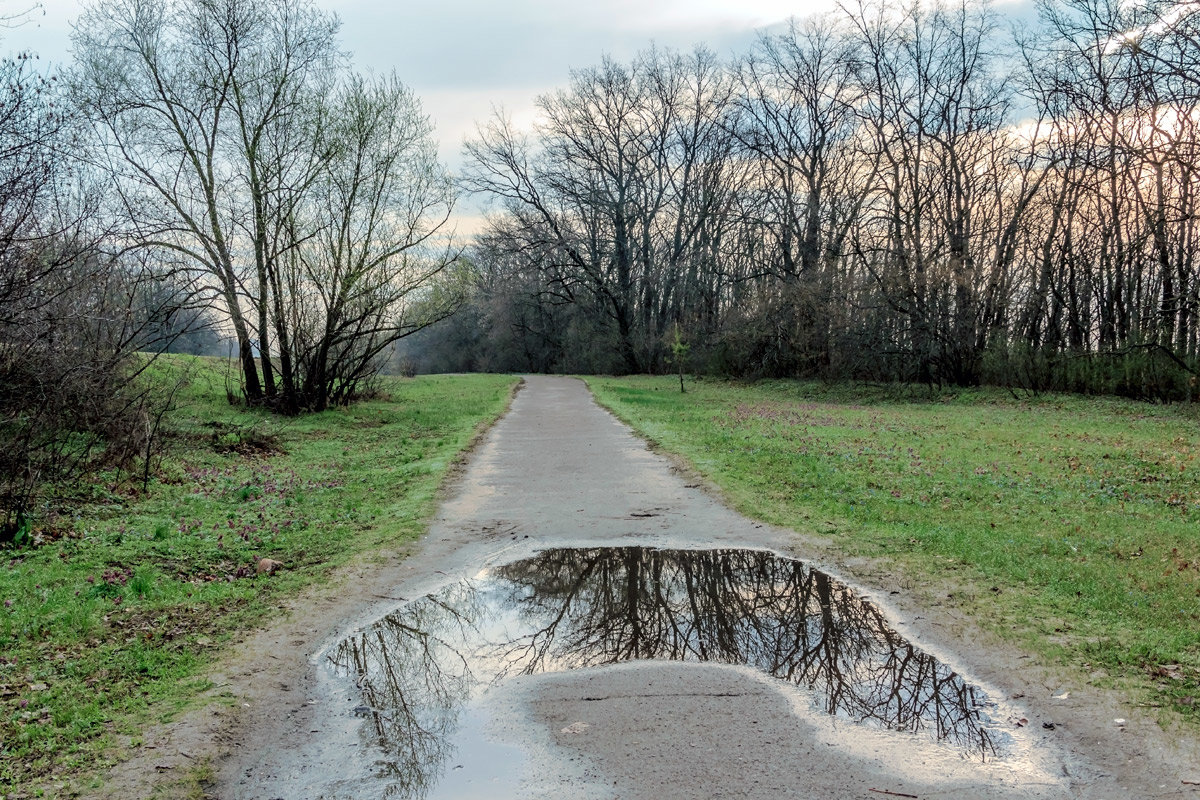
{"type": "Point", "coordinates": [570, 608]}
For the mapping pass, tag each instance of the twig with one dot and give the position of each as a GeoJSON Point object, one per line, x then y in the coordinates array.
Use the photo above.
{"type": "Point", "coordinates": [389, 597]}
{"type": "Point", "coordinates": [894, 794]}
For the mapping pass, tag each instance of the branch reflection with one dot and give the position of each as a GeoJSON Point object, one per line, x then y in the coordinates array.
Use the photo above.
{"type": "Point", "coordinates": [566, 609]}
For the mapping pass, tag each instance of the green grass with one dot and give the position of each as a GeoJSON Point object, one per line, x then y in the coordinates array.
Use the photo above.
{"type": "Point", "coordinates": [1069, 525]}
{"type": "Point", "coordinates": [110, 620]}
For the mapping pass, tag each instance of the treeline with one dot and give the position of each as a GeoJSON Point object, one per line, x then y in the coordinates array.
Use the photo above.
{"type": "Point", "coordinates": [903, 194]}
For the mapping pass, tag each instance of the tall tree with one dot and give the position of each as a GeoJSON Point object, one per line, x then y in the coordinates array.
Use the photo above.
{"type": "Point", "coordinates": [797, 127]}
{"type": "Point", "coordinates": [306, 198]}
{"type": "Point", "coordinates": [618, 193]}
{"type": "Point", "coordinates": [899, 193]}
{"type": "Point", "coordinates": [365, 271]}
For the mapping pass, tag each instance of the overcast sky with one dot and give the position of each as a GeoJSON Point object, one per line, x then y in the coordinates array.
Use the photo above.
{"type": "Point", "coordinates": [463, 57]}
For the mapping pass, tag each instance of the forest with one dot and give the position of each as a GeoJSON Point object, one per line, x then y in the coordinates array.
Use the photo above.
{"type": "Point", "coordinates": [928, 194]}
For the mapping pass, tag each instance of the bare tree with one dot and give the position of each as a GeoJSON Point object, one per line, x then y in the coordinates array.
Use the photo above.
{"type": "Point", "coordinates": [798, 127]}
{"type": "Point", "coordinates": [899, 193]}
{"type": "Point", "coordinates": [363, 273]}
{"type": "Point", "coordinates": [157, 81]}
{"type": "Point", "coordinates": [617, 197]}
{"type": "Point", "coordinates": [306, 198]}
{"type": "Point", "coordinates": [69, 321]}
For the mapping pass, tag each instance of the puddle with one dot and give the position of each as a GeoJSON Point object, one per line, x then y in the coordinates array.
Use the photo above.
{"type": "Point", "coordinates": [419, 667]}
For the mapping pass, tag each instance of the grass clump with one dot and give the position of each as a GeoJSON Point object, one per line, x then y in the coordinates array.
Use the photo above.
{"type": "Point", "coordinates": [1071, 522]}
{"type": "Point", "coordinates": [120, 609]}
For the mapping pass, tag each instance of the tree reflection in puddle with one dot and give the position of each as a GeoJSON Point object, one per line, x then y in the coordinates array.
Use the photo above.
{"type": "Point", "coordinates": [572, 608]}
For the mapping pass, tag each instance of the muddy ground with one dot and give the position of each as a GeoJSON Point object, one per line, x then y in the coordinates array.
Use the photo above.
{"type": "Point", "coordinates": [558, 471]}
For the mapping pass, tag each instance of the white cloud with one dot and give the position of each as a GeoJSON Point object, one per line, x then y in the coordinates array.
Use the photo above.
{"type": "Point", "coordinates": [533, 43]}
{"type": "Point", "coordinates": [456, 112]}
{"type": "Point", "coordinates": [464, 57]}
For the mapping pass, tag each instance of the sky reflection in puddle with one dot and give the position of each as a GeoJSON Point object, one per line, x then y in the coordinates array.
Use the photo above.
{"type": "Point", "coordinates": [571, 608]}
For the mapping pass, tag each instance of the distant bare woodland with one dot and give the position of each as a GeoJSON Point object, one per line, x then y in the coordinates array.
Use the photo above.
{"type": "Point", "coordinates": [910, 193]}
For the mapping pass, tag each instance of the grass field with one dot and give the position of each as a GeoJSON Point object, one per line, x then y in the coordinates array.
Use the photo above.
{"type": "Point", "coordinates": [1069, 525]}
{"type": "Point", "coordinates": [109, 621]}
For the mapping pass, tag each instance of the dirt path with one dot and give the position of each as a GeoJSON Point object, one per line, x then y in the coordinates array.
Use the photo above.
{"type": "Point", "coordinates": [558, 471]}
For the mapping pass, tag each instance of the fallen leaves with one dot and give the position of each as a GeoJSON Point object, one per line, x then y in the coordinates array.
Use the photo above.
{"type": "Point", "coordinates": [268, 566]}
{"type": "Point", "coordinates": [1170, 671]}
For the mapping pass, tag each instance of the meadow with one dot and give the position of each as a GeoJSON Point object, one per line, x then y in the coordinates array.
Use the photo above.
{"type": "Point", "coordinates": [110, 616]}
{"type": "Point", "coordinates": [1065, 525]}
{"type": "Point", "coordinates": [1068, 526]}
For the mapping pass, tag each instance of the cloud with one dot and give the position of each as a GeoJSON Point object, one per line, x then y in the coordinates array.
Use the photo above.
{"type": "Point", "coordinates": [534, 43]}
{"type": "Point", "coordinates": [465, 57]}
